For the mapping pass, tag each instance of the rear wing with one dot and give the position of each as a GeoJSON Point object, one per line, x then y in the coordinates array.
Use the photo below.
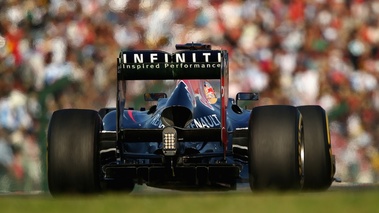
{"type": "Point", "coordinates": [196, 62]}
{"type": "Point", "coordinates": [160, 65]}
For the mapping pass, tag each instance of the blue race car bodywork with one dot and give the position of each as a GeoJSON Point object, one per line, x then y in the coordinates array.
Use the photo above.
{"type": "Point", "coordinates": [186, 110]}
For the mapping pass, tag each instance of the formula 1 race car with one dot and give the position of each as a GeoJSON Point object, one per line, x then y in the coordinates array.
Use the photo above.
{"type": "Point", "coordinates": [191, 139]}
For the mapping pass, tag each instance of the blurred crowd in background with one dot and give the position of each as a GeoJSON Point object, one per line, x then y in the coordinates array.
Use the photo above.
{"type": "Point", "coordinates": [62, 53]}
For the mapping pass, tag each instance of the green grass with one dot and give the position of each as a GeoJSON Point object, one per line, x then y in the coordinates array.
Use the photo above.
{"type": "Point", "coordinates": [332, 201]}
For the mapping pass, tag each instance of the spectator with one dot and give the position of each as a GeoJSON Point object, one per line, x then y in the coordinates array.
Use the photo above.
{"type": "Point", "coordinates": [6, 161]}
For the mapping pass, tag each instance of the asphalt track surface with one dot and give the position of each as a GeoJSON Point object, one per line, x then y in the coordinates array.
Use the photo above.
{"type": "Point", "coordinates": [241, 188]}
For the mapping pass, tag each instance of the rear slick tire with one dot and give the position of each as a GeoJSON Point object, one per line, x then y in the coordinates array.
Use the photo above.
{"type": "Point", "coordinates": [73, 161]}
{"type": "Point", "coordinates": [318, 167]}
{"type": "Point", "coordinates": [275, 148]}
